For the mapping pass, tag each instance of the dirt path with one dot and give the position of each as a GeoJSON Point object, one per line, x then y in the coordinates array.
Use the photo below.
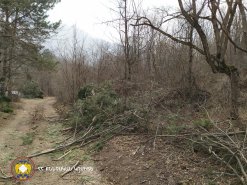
{"type": "Point", "coordinates": [35, 127]}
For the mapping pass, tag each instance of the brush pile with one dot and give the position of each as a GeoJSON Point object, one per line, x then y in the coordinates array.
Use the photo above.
{"type": "Point", "coordinates": [99, 114]}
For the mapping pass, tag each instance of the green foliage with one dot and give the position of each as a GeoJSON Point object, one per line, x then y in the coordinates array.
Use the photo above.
{"type": "Point", "coordinates": [32, 16]}
{"type": "Point", "coordinates": [85, 92]}
{"type": "Point", "coordinates": [5, 105]}
{"type": "Point", "coordinates": [205, 123]}
{"type": "Point", "coordinates": [103, 112]}
{"type": "Point", "coordinates": [31, 89]}
{"type": "Point", "coordinates": [101, 108]}
{"type": "Point", "coordinates": [96, 104]}
{"type": "Point", "coordinates": [46, 61]}
{"type": "Point", "coordinates": [26, 23]}
{"type": "Point", "coordinates": [4, 99]}
{"type": "Point", "coordinates": [175, 129]}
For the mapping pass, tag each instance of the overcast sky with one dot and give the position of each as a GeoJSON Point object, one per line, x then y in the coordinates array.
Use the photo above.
{"type": "Point", "coordinates": [88, 15]}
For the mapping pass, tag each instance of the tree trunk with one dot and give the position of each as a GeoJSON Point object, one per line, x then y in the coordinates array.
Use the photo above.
{"type": "Point", "coordinates": [234, 80]}
{"type": "Point", "coordinates": [129, 72]}
{"type": "Point", "coordinates": [5, 61]}
{"type": "Point", "coordinates": [5, 73]}
{"type": "Point", "coordinates": [190, 74]}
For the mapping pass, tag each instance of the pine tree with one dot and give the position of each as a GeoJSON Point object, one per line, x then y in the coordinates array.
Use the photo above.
{"type": "Point", "coordinates": [23, 29]}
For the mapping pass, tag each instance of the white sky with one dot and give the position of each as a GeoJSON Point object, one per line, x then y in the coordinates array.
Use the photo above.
{"type": "Point", "coordinates": [89, 14]}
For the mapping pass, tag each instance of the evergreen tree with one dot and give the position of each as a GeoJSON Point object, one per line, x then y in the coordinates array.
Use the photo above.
{"type": "Point", "coordinates": [23, 28]}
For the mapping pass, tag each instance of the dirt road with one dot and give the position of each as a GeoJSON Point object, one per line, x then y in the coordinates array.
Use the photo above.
{"type": "Point", "coordinates": [35, 127]}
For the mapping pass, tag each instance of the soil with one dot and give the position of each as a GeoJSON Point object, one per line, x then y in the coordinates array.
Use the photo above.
{"type": "Point", "coordinates": [35, 126]}
{"type": "Point", "coordinates": [133, 160]}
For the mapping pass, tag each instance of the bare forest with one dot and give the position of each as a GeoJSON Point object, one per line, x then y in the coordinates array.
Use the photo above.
{"type": "Point", "coordinates": [163, 103]}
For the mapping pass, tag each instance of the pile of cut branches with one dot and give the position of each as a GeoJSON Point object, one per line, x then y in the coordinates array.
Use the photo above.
{"type": "Point", "coordinates": [229, 148]}
{"type": "Point", "coordinates": [97, 116]}
{"type": "Point", "coordinates": [226, 146]}
{"type": "Point", "coordinates": [100, 109]}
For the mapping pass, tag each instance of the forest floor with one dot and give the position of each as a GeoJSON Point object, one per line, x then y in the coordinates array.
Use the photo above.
{"type": "Point", "coordinates": [130, 160]}
{"type": "Point", "coordinates": [133, 159]}
{"type": "Point", "coordinates": [34, 127]}
{"type": "Point", "coordinates": [140, 159]}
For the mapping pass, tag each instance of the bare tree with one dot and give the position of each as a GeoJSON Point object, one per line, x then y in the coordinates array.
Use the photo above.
{"type": "Point", "coordinates": [73, 66]}
{"type": "Point", "coordinates": [196, 13]}
{"type": "Point", "coordinates": [129, 36]}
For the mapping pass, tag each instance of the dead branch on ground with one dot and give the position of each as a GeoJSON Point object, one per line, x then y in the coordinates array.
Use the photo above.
{"type": "Point", "coordinates": [72, 169]}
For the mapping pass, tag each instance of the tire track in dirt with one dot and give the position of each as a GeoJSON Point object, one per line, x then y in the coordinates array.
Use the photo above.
{"type": "Point", "coordinates": [13, 129]}
{"type": "Point", "coordinates": [37, 124]}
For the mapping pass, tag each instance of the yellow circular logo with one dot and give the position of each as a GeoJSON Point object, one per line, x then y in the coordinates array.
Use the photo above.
{"type": "Point", "coordinates": [22, 168]}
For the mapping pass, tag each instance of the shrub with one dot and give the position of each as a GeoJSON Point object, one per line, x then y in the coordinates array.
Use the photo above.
{"type": "Point", "coordinates": [205, 123]}
{"type": "Point", "coordinates": [96, 104]}
{"type": "Point", "coordinates": [6, 107]}
{"type": "Point", "coordinates": [4, 99]}
{"type": "Point", "coordinates": [102, 108]}
{"type": "Point", "coordinates": [5, 104]}
{"type": "Point", "coordinates": [85, 92]}
{"type": "Point", "coordinates": [31, 89]}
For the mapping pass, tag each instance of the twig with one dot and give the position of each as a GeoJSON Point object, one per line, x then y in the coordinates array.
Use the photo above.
{"type": "Point", "coordinates": [5, 178]}
{"type": "Point", "coordinates": [43, 152]}
{"type": "Point", "coordinates": [245, 136]}
{"type": "Point", "coordinates": [89, 130]}
{"type": "Point", "coordinates": [66, 129]}
{"type": "Point", "coordinates": [66, 139]}
{"type": "Point", "coordinates": [156, 133]}
{"type": "Point", "coordinates": [72, 169]}
{"type": "Point", "coordinates": [134, 113]}
{"type": "Point", "coordinates": [204, 134]}
{"type": "Point", "coordinates": [63, 156]}
{"type": "Point", "coordinates": [5, 175]}
{"type": "Point", "coordinates": [76, 125]}
{"type": "Point", "coordinates": [241, 168]}
{"type": "Point", "coordinates": [83, 138]}
{"type": "Point", "coordinates": [227, 164]}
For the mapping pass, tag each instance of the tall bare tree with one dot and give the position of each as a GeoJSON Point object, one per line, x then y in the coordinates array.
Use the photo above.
{"type": "Point", "coordinates": [213, 11]}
